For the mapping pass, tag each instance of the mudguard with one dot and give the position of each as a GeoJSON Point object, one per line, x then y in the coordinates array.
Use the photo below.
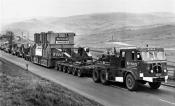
{"type": "Point", "coordinates": [133, 72]}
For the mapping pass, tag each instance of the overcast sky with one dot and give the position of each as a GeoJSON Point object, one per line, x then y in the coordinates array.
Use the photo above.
{"type": "Point", "coordinates": [15, 10]}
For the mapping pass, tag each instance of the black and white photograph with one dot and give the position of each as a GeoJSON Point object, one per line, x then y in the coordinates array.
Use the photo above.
{"type": "Point", "coordinates": [87, 52]}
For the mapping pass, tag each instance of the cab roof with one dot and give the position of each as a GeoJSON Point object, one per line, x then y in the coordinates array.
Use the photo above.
{"type": "Point", "coordinates": [142, 49]}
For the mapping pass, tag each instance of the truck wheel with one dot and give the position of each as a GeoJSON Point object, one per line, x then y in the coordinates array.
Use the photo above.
{"type": "Point", "coordinates": [130, 82]}
{"type": "Point", "coordinates": [103, 78]}
{"type": "Point", "coordinates": [74, 71]}
{"type": "Point", "coordinates": [64, 69]}
{"type": "Point", "coordinates": [79, 73]}
{"type": "Point", "coordinates": [154, 85]}
{"type": "Point", "coordinates": [96, 76]}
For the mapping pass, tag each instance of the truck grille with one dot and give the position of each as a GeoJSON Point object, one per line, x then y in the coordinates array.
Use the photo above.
{"type": "Point", "coordinates": [157, 68]}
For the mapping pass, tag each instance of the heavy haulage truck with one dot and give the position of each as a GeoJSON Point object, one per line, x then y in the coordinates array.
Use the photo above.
{"type": "Point", "coordinates": [57, 50]}
{"type": "Point", "coordinates": [132, 66]}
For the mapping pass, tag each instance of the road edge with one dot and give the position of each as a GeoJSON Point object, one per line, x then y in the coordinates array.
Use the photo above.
{"type": "Point", "coordinates": [52, 81]}
{"type": "Point", "coordinates": [169, 85]}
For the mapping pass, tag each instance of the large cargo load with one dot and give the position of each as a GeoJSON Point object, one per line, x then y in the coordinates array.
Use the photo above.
{"type": "Point", "coordinates": [49, 47]}
{"type": "Point", "coordinates": [38, 50]}
{"type": "Point", "coordinates": [54, 38]}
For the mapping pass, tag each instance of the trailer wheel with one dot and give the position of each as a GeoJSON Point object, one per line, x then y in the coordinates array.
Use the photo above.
{"type": "Point", "coordinates": [64, 69]}
{"type": "Point", "coordinates": [56, 67]}
{"type": "Point", "coordinates": [74, 71]}
{"type": "Point", "coordinates": [69, 70]}
{"type": "Point", "coordinates": [79, 73]}
{"type": "Point", "coordinates": [131, 83]}
{"type": "Point", "coordinates": [96, 76]}
{"type": "Point", "coordinates": [103, 77]}
{"type": "Point", "coordinates": [154, 85]}
{"type": "Point", "coordinates": [60, 68]}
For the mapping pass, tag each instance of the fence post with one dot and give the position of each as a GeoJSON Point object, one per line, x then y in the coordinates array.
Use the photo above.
{"type": "Point", "coordinates": [27, 67]}
{"type": "Point", "coordinates": [174, 75]}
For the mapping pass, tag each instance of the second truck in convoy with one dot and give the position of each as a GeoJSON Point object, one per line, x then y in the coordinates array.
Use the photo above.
{"type": "Point", "coordinates": [130, 66]}
{"type": "Point", "coordinates": [57, 50]}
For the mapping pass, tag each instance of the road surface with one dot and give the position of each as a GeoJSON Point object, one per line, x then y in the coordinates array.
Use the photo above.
{"type": "Point", "coordinates": [113, 95]}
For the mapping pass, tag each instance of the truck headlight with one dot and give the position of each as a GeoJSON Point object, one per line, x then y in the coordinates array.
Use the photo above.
{"type": "Point", "coordinates": [141, 74]}
{"type": "Point", "coordinates": [165, 70]}
{"type": "Point", "coordinates": [151, 71]}
{"type": "Point", "coordinates": [148, 67]}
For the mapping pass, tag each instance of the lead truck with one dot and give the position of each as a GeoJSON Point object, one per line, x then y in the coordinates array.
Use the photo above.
{"type": "Point", "coordinates": [132, 66]}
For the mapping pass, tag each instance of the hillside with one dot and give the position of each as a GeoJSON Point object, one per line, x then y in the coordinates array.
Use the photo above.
{"type": "Point", "coordinates": [136, 29]}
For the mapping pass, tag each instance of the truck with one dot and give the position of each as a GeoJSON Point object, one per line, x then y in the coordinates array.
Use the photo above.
{"type": "Point", "coordinates": [14, 49]}
{"type": "Point", "coordinates": [7, 47]}
{"type": "Point", "coordinates": [57, 50]}
{"type": "Point", "coordinates": [26, 51]}
{"type": "Point", "coordinates": [19, 51]}
{"type": "Point", "coordinates": [132, 66]}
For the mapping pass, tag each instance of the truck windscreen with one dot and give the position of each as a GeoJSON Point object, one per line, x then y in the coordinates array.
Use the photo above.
{"type": "Point", "coordinates": [153, 55]}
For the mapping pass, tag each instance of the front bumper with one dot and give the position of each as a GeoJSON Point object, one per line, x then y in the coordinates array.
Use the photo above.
{"type": "Point", "coordinates": [154, 79]}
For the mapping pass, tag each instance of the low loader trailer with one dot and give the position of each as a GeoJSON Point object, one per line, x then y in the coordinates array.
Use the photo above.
{"type": "Point", "coordinates": [79, 64]}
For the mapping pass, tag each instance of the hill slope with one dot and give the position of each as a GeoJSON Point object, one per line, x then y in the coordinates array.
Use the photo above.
{"type": "Point", "coordinates": [131, 28]}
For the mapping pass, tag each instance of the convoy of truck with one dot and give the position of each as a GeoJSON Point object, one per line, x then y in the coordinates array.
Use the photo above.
{"type": "Point", "coordinates": [130, 65]}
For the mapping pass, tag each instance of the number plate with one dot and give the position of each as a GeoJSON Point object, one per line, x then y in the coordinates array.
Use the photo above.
{"type": "Point", "coordinates": [158, 74]}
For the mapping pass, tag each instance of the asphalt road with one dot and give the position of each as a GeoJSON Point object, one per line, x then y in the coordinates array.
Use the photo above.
{"type": "Point", "coordinates": [113, 95]}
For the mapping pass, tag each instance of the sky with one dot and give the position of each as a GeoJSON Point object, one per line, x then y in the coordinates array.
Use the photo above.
{"type": "Point", "coordinates": [16, 10]}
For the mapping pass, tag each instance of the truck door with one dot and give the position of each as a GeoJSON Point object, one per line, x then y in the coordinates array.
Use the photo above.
{"type": "Point", "coordinates": [131, 59]}
{"type": "Point", "coordinates": [123, 59]}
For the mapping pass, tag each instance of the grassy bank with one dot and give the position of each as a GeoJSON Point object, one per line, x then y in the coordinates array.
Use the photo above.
{"type": "Point", "coordinates": [19, 87]}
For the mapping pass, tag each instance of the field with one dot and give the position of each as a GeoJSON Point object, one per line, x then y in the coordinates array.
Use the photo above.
{"type": "Point", "coordinates": [22, 88]}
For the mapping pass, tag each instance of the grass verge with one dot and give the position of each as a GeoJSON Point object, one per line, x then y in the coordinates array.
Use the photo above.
{"type": "Point", "coordinates": [19, 87]}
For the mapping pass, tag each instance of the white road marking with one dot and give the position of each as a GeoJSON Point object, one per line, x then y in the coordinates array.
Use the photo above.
{"type": "Point", "coordinates": [167, 101]}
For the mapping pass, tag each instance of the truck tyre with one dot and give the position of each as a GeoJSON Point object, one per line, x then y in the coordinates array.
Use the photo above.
{"type": "Point", "coordinates": [64, 69]}
{"type": "Point", "coordinates": [96, 76]}
{"type": "Point", "coordinates": [74, 71]}
{"type": "Point", "coordinates": [130, 82]}
{"type": "Point", "coordinates": [103, 77]}
{"type": "Point", "coordinates": [154, 85]}
{"type": "Point", "coordinates": [79, 73]}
